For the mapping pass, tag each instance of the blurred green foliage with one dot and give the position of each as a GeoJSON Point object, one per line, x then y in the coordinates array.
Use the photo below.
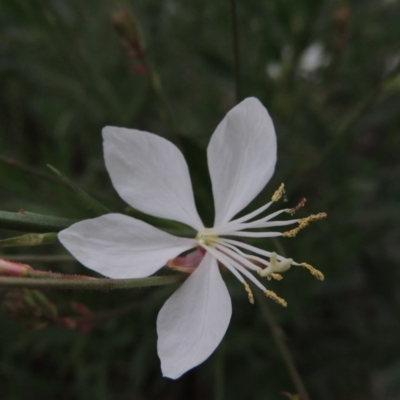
{"type": "Point", "coordinates": [328, 72]}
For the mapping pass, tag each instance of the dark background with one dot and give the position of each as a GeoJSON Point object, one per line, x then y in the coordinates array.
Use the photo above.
{"type": "Point", "coordinates": [328, 72]}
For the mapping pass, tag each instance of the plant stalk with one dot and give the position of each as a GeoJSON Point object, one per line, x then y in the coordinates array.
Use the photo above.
{"type": "Point", "coordinates": [235, 48]}
{"type": "Point", "coordinates": [278, 336]}
{"type": "Point", "coordinates": [102, 284]}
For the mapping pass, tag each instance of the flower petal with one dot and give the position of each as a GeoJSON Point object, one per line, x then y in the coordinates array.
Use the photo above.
{"type": "Point", "coordinates": [119, 246]}
{"type": "Point", "coordinates": [241, 158]}
{"type": "Point", "coordinates": [193, 320]}
{"type": "Point", "coordinates": [150, 174]}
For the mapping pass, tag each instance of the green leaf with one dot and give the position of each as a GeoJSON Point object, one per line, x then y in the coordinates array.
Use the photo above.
{"type": "Point", "coordinates": [31, 222]}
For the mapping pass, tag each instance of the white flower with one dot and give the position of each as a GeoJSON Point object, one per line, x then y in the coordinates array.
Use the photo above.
{"type": "Point", "coordinates": [151, 175]}
{"type": "Point", "coordinates": [314, 57]}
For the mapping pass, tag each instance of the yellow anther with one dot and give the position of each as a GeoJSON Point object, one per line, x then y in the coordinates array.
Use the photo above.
{"type": "Point", "coordinates": [277, 277]}
{"type": "Point", "coordinates": [314, 217]}
{"type": "Point", "coordinates": [313, 271]}
{"type": "Point", "coordinates": [249, 293]}
{"type": "Point", "coordinates": [292, 232]}
{"type": "Point", "coordinates": [279, 193]}
{"type": "Point", "coordinates": [304, 222]}
{"type": "Point", "coordinates": [272, 295]}
{"type": "Point", "coordinates": [292, 210]}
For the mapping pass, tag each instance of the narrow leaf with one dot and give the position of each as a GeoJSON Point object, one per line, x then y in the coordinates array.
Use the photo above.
{"type": "Point", "coordinates": [30, 222]}
{"type": "Point", "coordinates": [86, 199]}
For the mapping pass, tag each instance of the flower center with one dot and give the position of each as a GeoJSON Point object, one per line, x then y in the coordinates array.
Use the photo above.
{"type": "Point", "coordinates": [206, 237]}
{"type": "Point", "coordinates": [233, 253]}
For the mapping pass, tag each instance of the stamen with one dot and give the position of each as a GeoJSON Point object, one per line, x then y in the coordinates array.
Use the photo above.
{"type": "Point", "coordinates": [252, 248]}
{"type": "Point", "coordinates": [231, 268]}
{"type": "Point", "coordinates": [279, 193]}
{"type": "Point", "coordinates": [304, 222]}
{"type": "Point", "coordinates": [249, 293]}
{"type": "Point", "coordinates": [237, 257]}
{"type": "Point", "coordinates": [225, 259]}
{"type": "Point", "coordinates": [259, 223]}
{"type": "Point", "coordinates": [254, 234]}
{"type": "Point", "coordinates": [272, 295]}
{"type": "Point", "coordinates": [255, 225]}
{"type": "Point", "coordinates": [313, 271]}
{"type": "Point", "coordinates": [247, 256]}
{"type": "Point", "coordinates": [247, 216]}
{"type": "Point", "coordinates": [276, 196]}
{"type": "Point", "coordinates": [264, 224]}
{"type": "Point", "coordinates": [302, 202]}
{"type": "Point", "coordinates": [273, 215]}
{"type": "Point", "coordinates": [232, 263]}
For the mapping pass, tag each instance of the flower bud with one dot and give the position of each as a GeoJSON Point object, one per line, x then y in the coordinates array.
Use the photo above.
{"type": "Point", "coordinates": [187, 263]}
{"type": "Point", "coordinates": [9, 268]}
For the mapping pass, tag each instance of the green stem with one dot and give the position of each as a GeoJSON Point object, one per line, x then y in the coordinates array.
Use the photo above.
{"type": "Point", "coordinates": [219, 374]}
{"type": "Point", "coordinates": [278, 336]}
{"type": "Point", "coordinates": [156, 85]}
{"type": "Point", "coordinates": [31, 170]}
{"type": "Point", "coordinates": [88, 284]}
{"type": "Point", "coordinates": [39, 274]}
{"type": "Point", "coordinates": [235, 48]}
{"type": "Point", "coordinates": [11, 162]}
{"type": "Point", "coordinates": [38, 258]}
{"type": "Point", "coordinates": [30, 239]}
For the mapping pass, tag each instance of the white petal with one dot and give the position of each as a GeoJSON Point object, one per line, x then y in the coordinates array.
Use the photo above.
{"type": "Point", "coordinates": [119, 246]}
{"type": "Point", "coordinates": [193, 320]}
{"type": "Point", "coordinates": [241, 158]}
{"type": "Point", "coordinates": [150, 174]}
